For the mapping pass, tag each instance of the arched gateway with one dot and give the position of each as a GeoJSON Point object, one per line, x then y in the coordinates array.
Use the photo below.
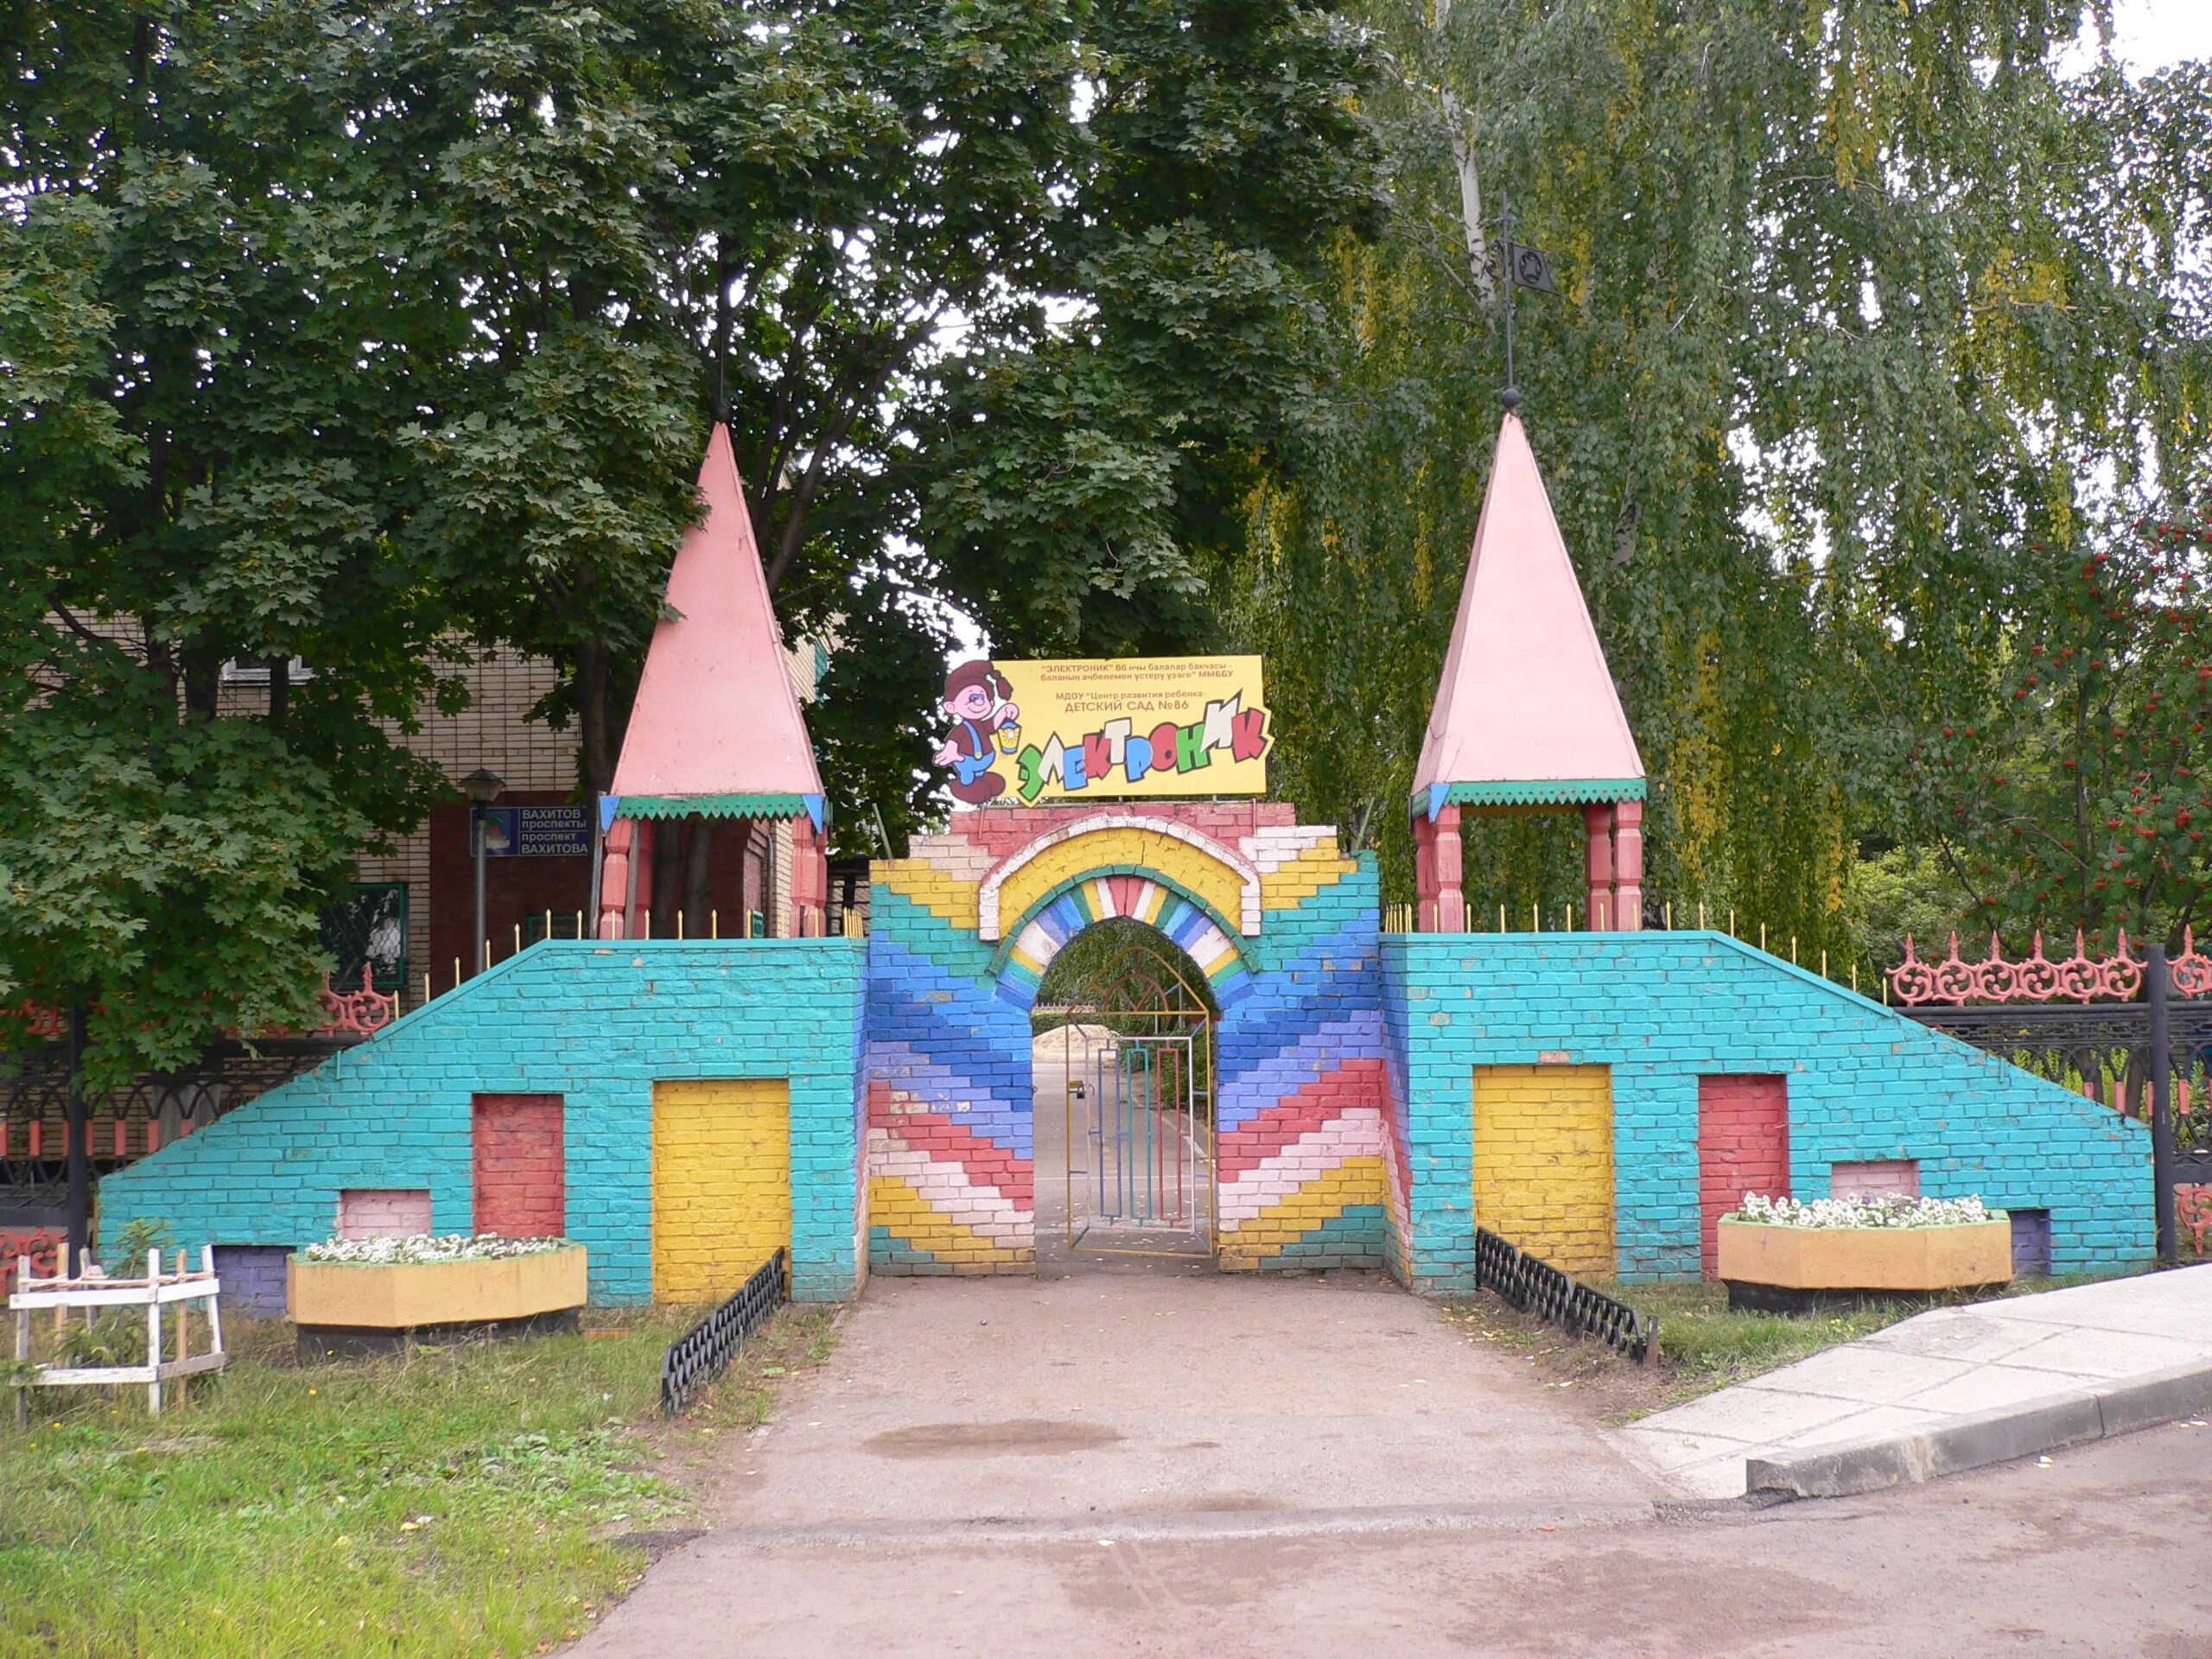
{"type": "Point", "coordinates": [1281, 923]}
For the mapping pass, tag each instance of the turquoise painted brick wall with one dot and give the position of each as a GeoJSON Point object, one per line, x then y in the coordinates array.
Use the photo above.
{"type": "Point", "coordinates": [598, 1023]}
{"type": "Point", "coordinates": [1660, 1009]}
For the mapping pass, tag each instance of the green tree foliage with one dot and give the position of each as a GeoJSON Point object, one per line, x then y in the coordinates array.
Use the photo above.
{"type": "Point", "coordinates": [198, 456]}
{"type": "Point", "coordinates": [1011, 302]}
{"type": "Point", "coordinates": [355, 332]}
{"type": "Point", "coordinates": [1859, 302]}
{"type": "Point", "coordinates": [2083, 792]}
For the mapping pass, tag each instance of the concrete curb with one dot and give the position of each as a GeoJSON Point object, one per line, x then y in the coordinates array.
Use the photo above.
{"type": "Point", "coordinates": [1879, 1461]}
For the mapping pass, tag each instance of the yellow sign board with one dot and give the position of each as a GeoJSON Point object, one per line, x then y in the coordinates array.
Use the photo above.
{"type": "Point", "coordinates": [1091, 729]}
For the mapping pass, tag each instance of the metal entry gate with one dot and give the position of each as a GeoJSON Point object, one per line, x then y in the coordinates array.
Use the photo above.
{"type": "Point", "coordinates": [1139, 1154]}
{"type": "Point", "coordinates": [1135, 1094]}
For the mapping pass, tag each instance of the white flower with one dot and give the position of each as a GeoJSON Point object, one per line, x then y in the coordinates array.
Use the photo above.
{"type": "Point", "coordinates": [1891, 1211]}
{"type": "Point", "coordinates": [424, 1247]}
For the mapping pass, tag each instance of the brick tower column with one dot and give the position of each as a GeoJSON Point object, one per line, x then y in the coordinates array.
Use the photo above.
{"type": "Point", "coordinates": [1450, 898]}
{"type": "Point", "coordinates": [1598, 825]}
{"type": "Point", "coordinates": [1628, 864]}
{"type": "Point", "coordinates": [615, 853]}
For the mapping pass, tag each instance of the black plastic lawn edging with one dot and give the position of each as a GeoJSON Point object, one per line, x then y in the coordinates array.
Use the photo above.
{"type": "Point", "coordinates": [701, 1354]}
{"type": "Point", "coordinates": [1535, 1287]}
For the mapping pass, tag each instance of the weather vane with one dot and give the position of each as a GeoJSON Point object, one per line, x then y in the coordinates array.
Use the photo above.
{"type": "Point", "coordinates": [1524, 267]}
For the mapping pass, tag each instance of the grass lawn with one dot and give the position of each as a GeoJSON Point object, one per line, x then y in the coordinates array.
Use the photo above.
{"type": "Point", "coordinates": [1702, 1345]}
{"type": "Point", "coordinates": [474, 1499]}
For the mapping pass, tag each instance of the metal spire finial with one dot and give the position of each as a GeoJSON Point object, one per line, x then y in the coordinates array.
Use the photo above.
{"type": "Point", "coordinates": [1521, 267]}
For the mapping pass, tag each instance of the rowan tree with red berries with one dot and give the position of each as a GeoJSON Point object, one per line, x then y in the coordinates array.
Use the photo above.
{"type": "Point", "coordinates": [2083, 796]}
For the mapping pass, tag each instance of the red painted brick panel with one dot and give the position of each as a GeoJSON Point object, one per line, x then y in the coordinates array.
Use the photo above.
{"type": "Point", "coordinates": [521, 1166]}
{"type": "Point", "coordinates": [1743, 1145]}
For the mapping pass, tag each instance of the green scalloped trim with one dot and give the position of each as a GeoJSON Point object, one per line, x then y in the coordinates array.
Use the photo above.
{"type": "Point", "coordinates": [1544, 792]}
{"type": "Point", "coordinates": [712, 806]}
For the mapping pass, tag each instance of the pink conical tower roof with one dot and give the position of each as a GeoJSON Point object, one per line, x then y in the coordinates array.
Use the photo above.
{"type": "Point", "coordinates": [1526, 712]}
{"type": "Point", "coordinates": [716, 727]}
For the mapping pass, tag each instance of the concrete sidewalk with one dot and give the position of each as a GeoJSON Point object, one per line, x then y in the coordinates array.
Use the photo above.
{"type": "Point", "coordinates": [1947, 1389]}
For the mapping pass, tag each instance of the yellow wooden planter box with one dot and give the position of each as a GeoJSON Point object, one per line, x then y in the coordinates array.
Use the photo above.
{"type": "Point", "coordinates": [1866, 1258]}
{"type": "Point", "coordinates": [403, 1296]}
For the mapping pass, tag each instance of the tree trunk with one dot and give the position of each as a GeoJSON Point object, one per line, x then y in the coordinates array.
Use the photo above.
{"type": "Point", "coordinates": [280, 689]}
{"type": "Point", "coordinates": [203, 676]}
{"type": "Point", "coordinates": [594, 770]}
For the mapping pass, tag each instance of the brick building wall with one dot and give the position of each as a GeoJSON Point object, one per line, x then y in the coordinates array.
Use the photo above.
{"type": "Point", "coordinates": [539, 766]}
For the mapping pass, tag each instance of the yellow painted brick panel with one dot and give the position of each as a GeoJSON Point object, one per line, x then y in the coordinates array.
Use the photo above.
{"type": "Point", "coordinates": [721, 1184]}
{"type": "Point", "coordinates": [1186, 866]}
{"type": "Point", "coordinates": [895, 1206]}
{"type": "Point", "coordinates": [1296, 880]}
{"type": "Point", "coordinates": [924, 884]}
{"type": "Point", "coordinates": [1543, 1161]}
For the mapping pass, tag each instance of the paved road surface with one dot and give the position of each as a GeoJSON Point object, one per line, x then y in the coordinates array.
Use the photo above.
{"type": "Point", "coordinates": [1130, 1462]}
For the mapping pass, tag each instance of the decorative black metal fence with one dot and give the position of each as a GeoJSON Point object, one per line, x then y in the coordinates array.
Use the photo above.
{"type": "Point", "coordinates": [2150, 1059]}
{"type": "Point", "coordinates": [1536, 1287]}
{"type": "Point", "coordinates": [137, 1118]}
{"type": "Point", "coordinates": [700, 1355]}
{"type": "Point", "coordinates": [2102, 1050]}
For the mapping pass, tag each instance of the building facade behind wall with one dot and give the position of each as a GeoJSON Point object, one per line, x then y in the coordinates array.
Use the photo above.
{"type": "Point", "coordinates": [431, 866]}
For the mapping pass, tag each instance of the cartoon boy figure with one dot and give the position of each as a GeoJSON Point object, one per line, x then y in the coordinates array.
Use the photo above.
{"type": "Point", "coordinates": [984, 724]}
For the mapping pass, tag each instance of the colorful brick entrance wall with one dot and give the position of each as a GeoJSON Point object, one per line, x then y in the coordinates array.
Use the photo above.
{"type": "Point", "coordinates": [1281, 924]}
{"type": "Point", "coordinates": [1345, 1064]}
{"type": "Point", "coordinates": [1663, 1011]}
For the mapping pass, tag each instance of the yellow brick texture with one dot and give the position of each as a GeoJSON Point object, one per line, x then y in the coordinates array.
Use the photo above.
{"type": "Point", "coordinates": [1296, 880]}
{"type": "Point", "coordinates": [1101, 849]}
{"type": "Point", "coordinates": [1543, 1161]}
{"type": "Point", "coordinates": [721, 1184]}
{"type": "Point", "coordinates": [921, 881]}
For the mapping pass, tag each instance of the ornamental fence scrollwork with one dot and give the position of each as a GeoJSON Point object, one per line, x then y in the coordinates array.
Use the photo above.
{"type": "Point", "coordinates": [2036, 978]}
{"type": "Point", "coordinates": [360, 1013]}
{"type": "Point", "coordinates": [701, 1354]}
{"type": "Point", "coordinates": [2190, 971]}
{"type": "Point", "coordinates": [357, 1013]}
{"type": "Point", "coordinates": [1535, 1287]}
{"type": "Point", "coordinates": [2078, 978]}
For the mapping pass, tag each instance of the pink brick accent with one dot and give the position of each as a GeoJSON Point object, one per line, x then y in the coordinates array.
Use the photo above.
{"type": "Point", "coordinates": [984, 1163]}
{"type": "Point", "coordinates": [383, 1211]}
{"type": "Point", "coordinates": [1743, 1145]}
{"type": "Point", "coordinates": [521, 1166]}
{"type": "Point", "coordinates": [1351, 1086]}
{"type": "Point", "coordinates": [1884, 1178]}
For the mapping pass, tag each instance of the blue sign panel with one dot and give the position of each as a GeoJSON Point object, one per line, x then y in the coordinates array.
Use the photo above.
{"type": "Point", "coordinates": [536, 831]}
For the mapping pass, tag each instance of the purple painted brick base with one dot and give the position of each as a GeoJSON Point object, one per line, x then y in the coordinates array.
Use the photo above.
{"type": "Point", "coordinates": [253, 1278]}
